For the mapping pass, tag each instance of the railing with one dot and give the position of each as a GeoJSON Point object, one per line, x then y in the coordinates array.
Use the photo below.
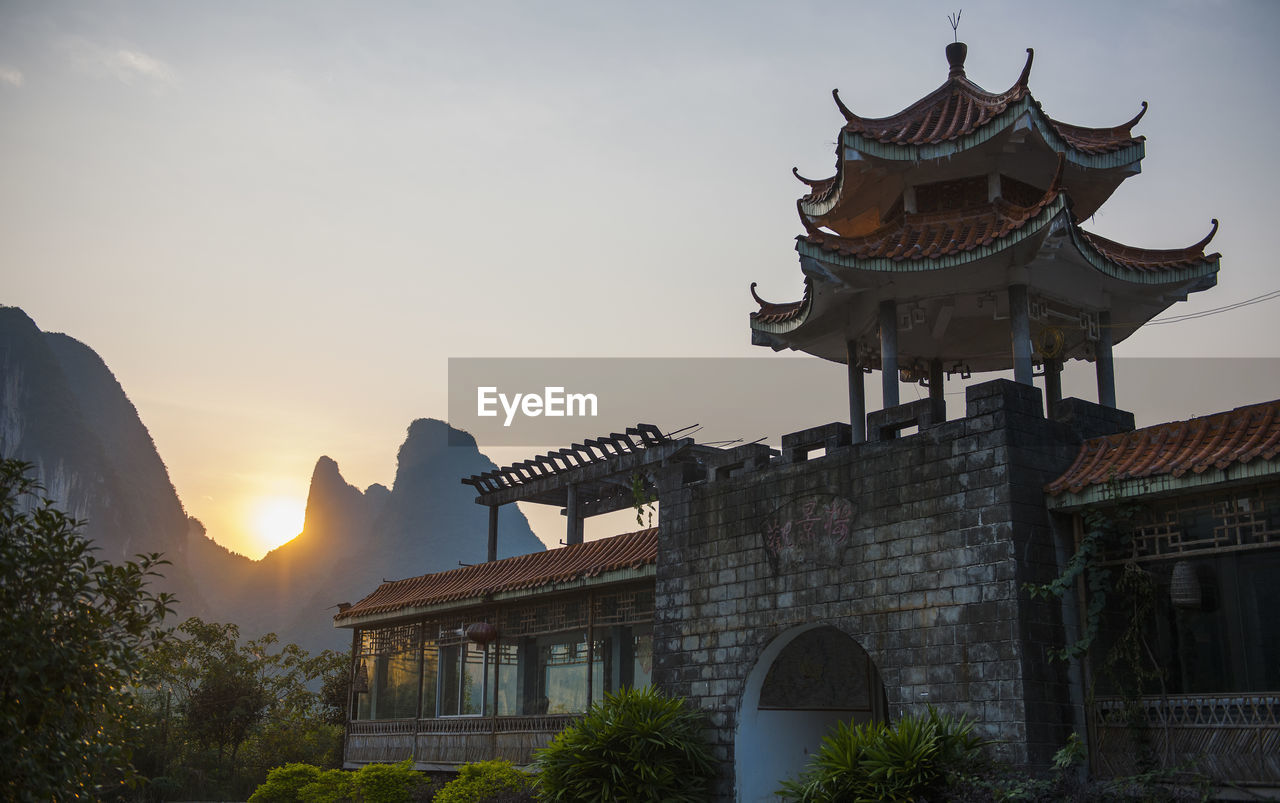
{"type": "Point", "coordinates": [452, 740]}
{"type": "Point", "coordinates": [1230, 737]}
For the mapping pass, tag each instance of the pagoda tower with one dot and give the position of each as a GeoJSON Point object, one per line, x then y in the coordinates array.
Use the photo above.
{"type": "Point", "coordinates": [948, 242]}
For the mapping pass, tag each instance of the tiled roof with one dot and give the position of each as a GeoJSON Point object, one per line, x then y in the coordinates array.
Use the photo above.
{"type": "Point", "coordinates": [1176, 448]}
{"type": "Point", "coordinates": [524, 572]}
{"type": "Point", "coordinates": [779, 313]}
{"type": "Point", "coordinates": [1147, 260]}
{"type": "Point", "coordinates": [933, 235]}
{"type": "Point", "coordinates": [959, 107]}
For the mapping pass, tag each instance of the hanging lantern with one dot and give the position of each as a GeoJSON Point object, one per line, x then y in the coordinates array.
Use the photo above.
{"type": "Point", "coordinates": [361, 684]}
{"type": "Point", "coordinates": [1184, 586]}
{"type": "Point", "coordinates": [482, 632]}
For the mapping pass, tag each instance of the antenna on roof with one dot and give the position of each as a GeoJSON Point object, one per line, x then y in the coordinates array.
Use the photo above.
{"type": "Point", "coordinates": [954, 19]}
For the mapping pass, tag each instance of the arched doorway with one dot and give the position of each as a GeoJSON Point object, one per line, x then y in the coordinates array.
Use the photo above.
{"type": "Point", "coordinates": [806, 680]}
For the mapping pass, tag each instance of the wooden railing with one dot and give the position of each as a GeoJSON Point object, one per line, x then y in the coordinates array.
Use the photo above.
{"type": "Point", "coordinates": [451, 740]}
{"type": "Point", "coordinates": [1229, 737]}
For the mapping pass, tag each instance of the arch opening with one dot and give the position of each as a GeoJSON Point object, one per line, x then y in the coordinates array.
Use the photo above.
{"type": "Point", "coordinates": [806, 680]}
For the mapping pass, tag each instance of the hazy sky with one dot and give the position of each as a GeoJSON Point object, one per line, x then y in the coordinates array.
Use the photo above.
{"type": "Point", "coordinates": [277, 221]}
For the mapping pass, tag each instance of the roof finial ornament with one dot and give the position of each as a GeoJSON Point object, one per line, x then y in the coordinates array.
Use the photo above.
{"type": "Point", "coordinates": [957, 50]}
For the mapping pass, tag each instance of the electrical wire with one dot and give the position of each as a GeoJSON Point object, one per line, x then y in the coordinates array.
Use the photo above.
{"type": "Point", "coordinates": [1191, 316]}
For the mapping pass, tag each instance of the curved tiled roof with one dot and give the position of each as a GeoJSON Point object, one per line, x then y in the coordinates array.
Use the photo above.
{"type": "Point", "coordinates": [780, 313]}
{"type": "Point", "coordinates": [524, 572]}
{"type": "Point", "coordinates": [1148, 260]}
{"type": "Point", "coordinates": [934, 235]}
{"type": "Point", "coordinates": [960, 107]}
{"type": "Point", "coordinates": [1176, 448]}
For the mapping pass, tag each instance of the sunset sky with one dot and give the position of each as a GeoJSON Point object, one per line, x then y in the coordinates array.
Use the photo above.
{"type": "Point", "coordinates": [276, 222]}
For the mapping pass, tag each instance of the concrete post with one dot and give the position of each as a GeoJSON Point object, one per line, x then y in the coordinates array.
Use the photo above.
{"type": "Point", "coordinates": [937, 402]}
{"type": "Point", "coordinates": [1020, 328]}
{"type": "Point", "coordinates": [857, 394]}
{"type": "Point", "coordinates": [1052, 384]}
{"type": "Point", "coordinates": [574, 530]}
{"type": "Point", "coordinates": [889, 352]}
{"type": "Point", "coordinates": [1105, 365]}
{"type": "Point", "coordinates": [493, 533]}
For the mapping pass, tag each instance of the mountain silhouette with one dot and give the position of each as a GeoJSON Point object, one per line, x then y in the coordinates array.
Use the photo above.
{"type": "Point", "coordinates": [62, 410]}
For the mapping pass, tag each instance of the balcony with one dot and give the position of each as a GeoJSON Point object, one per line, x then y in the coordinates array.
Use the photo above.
{"type": "Point", "coordinates": [1229, 737]}
{"type": "Point", "coordinates": [443, 743]}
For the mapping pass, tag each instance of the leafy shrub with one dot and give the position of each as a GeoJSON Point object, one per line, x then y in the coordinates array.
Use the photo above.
{"type": "Point", "coordinates": [283, 783]}
{"type": "Point", "coordinates": [636, 745]}
{"type": "Point", "coordinates": [916, 758]}
{"type": "Point", "coordinates": [387, 783]}
{"type": "Point", "coordinates": [330, 786]}
{"type": "Point", "coordinates": [487, 782]}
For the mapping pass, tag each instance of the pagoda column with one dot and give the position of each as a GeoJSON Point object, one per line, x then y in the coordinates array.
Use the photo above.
{"type": "Point", "coordinates": [1052, 384]}
{"type": "Point", "coordinates": [1104, 363]}
{"type": "Point", "coordinates": [1020, 327]}
{"type": "Point", "coordinates": [889, 352]}
{"type": "Point", "coordinates": [857, 393]}
{"type": "Point", "coordinates": [573, 533]}
{"type": "Point", "coordinates": [937, 404]}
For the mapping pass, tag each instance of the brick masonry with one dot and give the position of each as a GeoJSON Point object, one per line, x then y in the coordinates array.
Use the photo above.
{"type": "Point", "coordinates": [945, 527]}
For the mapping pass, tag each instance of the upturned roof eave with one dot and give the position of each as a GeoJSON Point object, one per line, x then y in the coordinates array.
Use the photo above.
{"type": "Point", "coordinates": [1162, 484]}
{"type": "Point", "coordinates": [858, 146]}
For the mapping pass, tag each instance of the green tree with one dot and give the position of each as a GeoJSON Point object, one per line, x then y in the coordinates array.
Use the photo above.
{"type": "Point", "coordinates": [73, 632]}
{"type": "Point", "coordinates": [222, 713]}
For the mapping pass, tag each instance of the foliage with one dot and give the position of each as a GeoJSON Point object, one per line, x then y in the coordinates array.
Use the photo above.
{"type": "Point", "coordinates": [486, 782]}
{"type": "Point", "coordinates": [635, 745]}
{"type": "Point", "coordinates": [220, 713]}
{"type": "Point", "coordinates": [387, 783]}
{"type": "Point", "coordinates": [331, 786]}
{"type": "Point", "coordinates": [283, 783]}
{"type": "Point", "coordinates": [917, 758]}
{"type": "Point", "coordinates": [642, 499]}
{"type": "Point", "coordinates": [73, 632]}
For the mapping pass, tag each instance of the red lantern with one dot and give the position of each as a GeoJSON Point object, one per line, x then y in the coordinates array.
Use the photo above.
{"type": "Point", "coordinates": [482, 632]}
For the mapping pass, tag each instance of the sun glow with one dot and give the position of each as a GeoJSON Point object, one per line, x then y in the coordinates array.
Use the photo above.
{"type": "Point", "coordinates": [277, 519]}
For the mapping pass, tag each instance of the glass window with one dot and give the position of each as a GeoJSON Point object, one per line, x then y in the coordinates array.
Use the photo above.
{"type": "Point", "coordinates": [392, 687]}
{"type": "Point", "coordinates": [461, 684]}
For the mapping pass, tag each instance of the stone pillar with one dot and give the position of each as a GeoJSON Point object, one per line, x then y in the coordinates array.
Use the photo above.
{"type": "Point", "coordinates": [574, 529]}
{"type": "Point", "coordinates": [493, 533]}
{"type": "Point", "coordinates": [857, 394]}
{"type": "Point", "coordinates": [889, 352]}
{"type": "Point", "coordinates": [1020, 328]}
{"type": "Point", "coordinates": [1106, 367]}
{"type": "Point", "coordinates": [937, 402]}
{"type": "Point", "coordinates": [1052, 384]}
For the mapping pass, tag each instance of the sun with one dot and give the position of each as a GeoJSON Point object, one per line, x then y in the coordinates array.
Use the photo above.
{"type": "Point", "coordinates": [277, 519]}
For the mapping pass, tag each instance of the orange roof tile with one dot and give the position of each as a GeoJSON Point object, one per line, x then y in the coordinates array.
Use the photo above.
{"type": "Point", "coordinates": [935, 234]}
{"type": "Point", "coordinates": [778, 313]}
{"type": "Point", "coordinates": [524, 572]}
{"type": "Point", "coordinates": [959, 107]}
{"type": "Point", "coordinates": [1147, 260]}
{"type": "Point", "coordinates": [1197, 445]}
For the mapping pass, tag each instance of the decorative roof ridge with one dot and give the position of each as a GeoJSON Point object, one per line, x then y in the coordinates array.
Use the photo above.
{"type": "Point", "coordinates": [532, 570]}
{"type": "Point", "coordinates": [1001, 207]}
{"type": "Point", "coordinates": [1175, 448]}
{"type": "Point", "coordinates": [1129, 255]}
{"type": "Point", "coordinates": [1091, 139]}
{"type": "Point", "coordinates": [779, 313]}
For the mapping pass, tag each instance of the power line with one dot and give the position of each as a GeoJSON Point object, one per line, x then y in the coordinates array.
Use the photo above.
{"type": "Point", "coordinates": [1191, 316]}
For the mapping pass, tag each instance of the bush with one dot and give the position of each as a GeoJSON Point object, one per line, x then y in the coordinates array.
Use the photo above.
{"type": "Point", "coordinates": [916, 758]}
{"type": "Point", "coordinates": [283, 783]}
{"type": "Point", "coordinates": [636, 745]}
{"type": "Point", "coordinates": [331, 786]}
{"type": "Point", "coordinates": [487, 782]}
{"type": "Point", "coordinates": [387, 783]}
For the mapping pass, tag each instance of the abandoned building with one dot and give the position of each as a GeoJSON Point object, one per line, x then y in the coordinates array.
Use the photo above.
{"type": "Point", "coordinates": [866, 569]}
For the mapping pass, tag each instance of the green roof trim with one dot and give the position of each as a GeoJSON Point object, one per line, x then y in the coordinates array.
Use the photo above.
{"type": "Point", "coordinates": [1162, 485]}
{"type": "Point", "coordinates": [1028, 229]}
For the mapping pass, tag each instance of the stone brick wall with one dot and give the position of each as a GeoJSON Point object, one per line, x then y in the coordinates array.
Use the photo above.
{"type": "Point", "coordinates": [926, 572]}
